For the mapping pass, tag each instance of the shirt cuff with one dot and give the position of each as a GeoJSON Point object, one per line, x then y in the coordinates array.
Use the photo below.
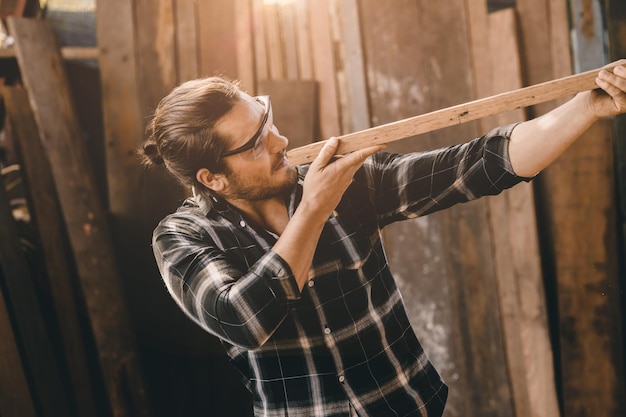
{"type": "Point", "coordinates": [278, 277]}
{"type": "Point", "coordinates": [496, 155]}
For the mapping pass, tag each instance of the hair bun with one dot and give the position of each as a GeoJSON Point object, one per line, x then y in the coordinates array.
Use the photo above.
{"type": "Point", "coordinates": [151, 154]}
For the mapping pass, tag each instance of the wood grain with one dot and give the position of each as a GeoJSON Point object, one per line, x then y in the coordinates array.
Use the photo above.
{"type": "Point", "coordinates": [454, 115]}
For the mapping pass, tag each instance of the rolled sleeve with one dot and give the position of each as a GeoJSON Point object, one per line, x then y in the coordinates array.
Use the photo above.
{"type": "Point", "coordinates": [498, 168]}
{"type": "Point", "coordinates": [280, 278]}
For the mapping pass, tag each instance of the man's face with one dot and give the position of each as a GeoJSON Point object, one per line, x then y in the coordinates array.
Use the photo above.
{"type": "Point", "coordinates": [261, 171]}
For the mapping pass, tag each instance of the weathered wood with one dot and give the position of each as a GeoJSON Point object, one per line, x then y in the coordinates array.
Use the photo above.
{"type": "Point", "coordinates": [287, 14]}
{"type": "Point", "coordinates": [295, 108]}
{"type": "Point", "coordinates": [47, 217]}
{"type": "Point", "coordinates": [258, 34]}
{"type": "Point", "coordinates": [324, 68]}
{"type": "Point", "coordinates": [351, 68]}
{"type": "Point", "coordinates": [12, 8]}
{"type": "Point", "coordinates": [245, 45]}
{"type": "Point", "coordinates": [154, 38]}
{"type": "Point", "coordinates": [216, 41]}
{"type": "Point", "coordinates": [590, 318]}
{"type": "Point", "coordinates": [37, 50]}
{"type": "Point", "coordinates": [273, 41]}
{"type": "Point", "coordinates": [67, 52]}
{"type": "Point", "coordinates": [303, 33]}
{"type": "Point", "coordinates": [39, 360]}
{"type": "Point", "coordinates": [121, 114]}
{"type": "Point", "coordinates": [454, 115]}
{"type": "Point", "coordinates": [615, 10]}
{"type": "Point", "coordinates": [17, 401]}
{"type": "Point", "coordinates": [515, 250]}
{"type": "Point", "coordinates": [186, 40]}
{"type": "Point", "coordinates": [413, 55]}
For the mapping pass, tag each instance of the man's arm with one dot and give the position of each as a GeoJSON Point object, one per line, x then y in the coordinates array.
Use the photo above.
{"type": "Point", "coordinates": [537, 143]}
{"type": "Point", "coordinates": [323, 188]}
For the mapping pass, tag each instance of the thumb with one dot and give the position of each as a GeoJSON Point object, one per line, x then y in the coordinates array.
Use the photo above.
{"type": "Point", "coordinates": [326, 153]}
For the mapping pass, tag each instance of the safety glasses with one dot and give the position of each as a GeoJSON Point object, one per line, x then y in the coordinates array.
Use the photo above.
{"type": "Point", "coordinates": [258, 142]}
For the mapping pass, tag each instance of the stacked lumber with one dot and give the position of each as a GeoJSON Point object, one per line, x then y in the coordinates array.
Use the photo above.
{"type": "Point", "coordinates": [516, 298]}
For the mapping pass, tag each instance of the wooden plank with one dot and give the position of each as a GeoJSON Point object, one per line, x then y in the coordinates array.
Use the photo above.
{"type": "Point", "coordinates": [303, 34]}
{"type": "Point", "coordinates": [324, 68]}
{"type": "Point", "coordinates": [121, 109]}
{"type": "Point", "coordinates": [245, 45]}
{"type": "Point", "coordinates": [615, 11]}
{"type": "Point", "coordinates": [287, 17]}
{"type": "Point", "coordinates": [295, 109]}
{"type": "Point", "coordinates": [17, 401]}
{"type": "Point", "coordinates": [39, 361]}
{"type": "Point", "coordinates": [154, 37]}
{"type": "Point", "coordinates": [273, 42]}
{"type": "Point", "coordinates": [413, 54]}
{"type": "Point", "coordinates": [516, 250]}
{"type": "Point", "coordinates": [84, 215]}
{"type": "Point", "coordinates": [454, 115]}
{"type": "Point", "coordinates": [352, 86]}
{"type": "Point", "coordinates": [76, 53]}
{"type": "Point", "coordinates": [589, 300]}
{"type": "Point", "coordinates": [216, 41]}
{"type": "Point", "coordinates": [258, 34]}
{"type": "Point", "coordinates": [186, 40]}
{"type": "Point", "coordinates": [47, 217]}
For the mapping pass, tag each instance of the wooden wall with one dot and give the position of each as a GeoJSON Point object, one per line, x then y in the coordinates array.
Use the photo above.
{"type": "Point", "coordinates": [516, 298]}
{"type": "Point", "coordinates": [473, 279]}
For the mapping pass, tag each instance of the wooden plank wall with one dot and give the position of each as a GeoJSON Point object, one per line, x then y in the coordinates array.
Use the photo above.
{"type": "Point", "coordinates": [473, 277]}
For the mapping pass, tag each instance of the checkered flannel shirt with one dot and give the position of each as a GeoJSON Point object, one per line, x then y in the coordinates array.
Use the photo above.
{"type": "Point", "coordinates": [346, 339]}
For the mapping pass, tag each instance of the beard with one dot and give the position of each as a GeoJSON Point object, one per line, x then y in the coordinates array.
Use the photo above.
{"type": "Point", "coordinates": [257, 189]}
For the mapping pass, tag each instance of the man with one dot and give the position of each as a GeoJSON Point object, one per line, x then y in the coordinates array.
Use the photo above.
{"type": "Point", "coordinates": [285, 264]}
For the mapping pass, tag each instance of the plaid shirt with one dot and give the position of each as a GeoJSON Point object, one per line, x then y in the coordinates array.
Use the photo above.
{"type": "Point", "coordinates": [346, 339]}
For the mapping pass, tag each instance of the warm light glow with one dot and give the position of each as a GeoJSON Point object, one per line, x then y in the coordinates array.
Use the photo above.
{"type": "Point", "coordinates": [278, 1]}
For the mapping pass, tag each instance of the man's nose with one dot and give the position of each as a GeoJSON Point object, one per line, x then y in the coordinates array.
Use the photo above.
{"type": "Point", "coordinates": [276, 142]}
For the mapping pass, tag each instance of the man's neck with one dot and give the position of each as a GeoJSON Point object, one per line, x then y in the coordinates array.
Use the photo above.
{"type": "Point", "coordinates": [270, 214]}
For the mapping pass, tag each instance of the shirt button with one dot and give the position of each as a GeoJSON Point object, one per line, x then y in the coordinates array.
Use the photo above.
{"type": "Point", "coordinates": [242, 223]}
{"type": "Point", "coordinates": [342, 379]}
{"type": "Point", "coordinates": [326, 330]}
{"type": "Point", "coordinates": [311, 283]}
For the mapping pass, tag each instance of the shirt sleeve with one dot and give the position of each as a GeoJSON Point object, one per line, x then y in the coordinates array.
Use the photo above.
{"type": "Point", "coordinates": [243, 308]}
{"type": "Point", "coordinates": [420, 183]}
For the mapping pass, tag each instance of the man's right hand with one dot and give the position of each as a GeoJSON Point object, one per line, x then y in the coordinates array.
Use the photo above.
{"type": "Point", "coordinates": [328, 178]}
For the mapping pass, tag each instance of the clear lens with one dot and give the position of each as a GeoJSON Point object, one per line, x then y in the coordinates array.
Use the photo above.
{"type": "Point", "coordinates": [261, 143]}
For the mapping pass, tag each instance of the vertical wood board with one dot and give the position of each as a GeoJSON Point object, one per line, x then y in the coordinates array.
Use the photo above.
{"type": "Point", "coordinates": [413, 52]}
{"type": "Point", "coordinates": [186, 34]}
{"type": "Point", "coordinates": [217, 41]}
{"type": "Point", "coordinates": [516, 251]}
{"type": "Point", "coordinates": [39, 361]}
{"type": "Point", "coordinates": [84, 215]}
{"type": "Point", "coordinates": [45, 214]}
{"type": "Point", "coordinates": [245, 45]}
{"type": "Point", "coordinates": [322, 52]}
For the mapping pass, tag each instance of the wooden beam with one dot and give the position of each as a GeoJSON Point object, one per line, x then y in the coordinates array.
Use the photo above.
{"type": "Point", "coordinates": [452, 116]}
{"type": "Point", "coordinates": [186, 34]}
{"type": "Point", "coordinates": [43, 74]}
{"type": "Point", "coordinates": [39, 360]}
{"type": "Point", "coordinates": [47, 218]}
{"type": "Point", "coordinates": [76, 53]}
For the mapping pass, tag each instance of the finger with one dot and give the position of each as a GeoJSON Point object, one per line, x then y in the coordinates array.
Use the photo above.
{"type": "Point", "coordinates": [326, 153]}
{"type": "Point", "coordinates": [613, 84]}
{"type": "Point", "coordinates": [361, 155]}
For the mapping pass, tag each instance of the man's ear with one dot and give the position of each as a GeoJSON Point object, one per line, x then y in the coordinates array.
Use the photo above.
{"type": "Point", "coordinates": [215, 182]}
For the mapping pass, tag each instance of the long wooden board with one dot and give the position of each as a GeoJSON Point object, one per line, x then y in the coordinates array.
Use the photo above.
{"type": "Point", "coordinates": [39, 361]}
{"type": "Point", "coordinates": [454, 115]}
{"type": "Point", "coordinates": [44, 76]}
{"type": "Point", "coordinates": [46, 215]}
